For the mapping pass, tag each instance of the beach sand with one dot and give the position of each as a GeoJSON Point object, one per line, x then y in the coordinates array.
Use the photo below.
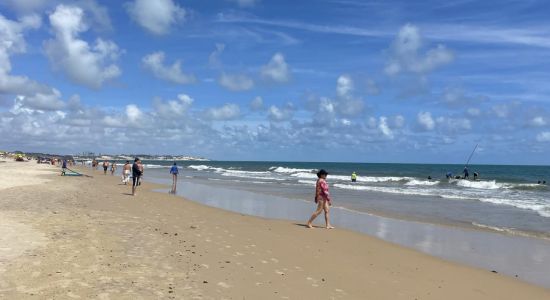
{"type": "Point", "coordinates": [87, 238]}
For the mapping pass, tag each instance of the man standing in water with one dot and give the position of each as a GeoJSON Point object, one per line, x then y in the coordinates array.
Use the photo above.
{"type": "Point", "coordinates": [353, 177]}
{"type": "Point", "coordinates": [174, 171]}
{"type": "Point", "coordinates": [136, 174]}
{"type": "Point", "coordinates": [466, 174]}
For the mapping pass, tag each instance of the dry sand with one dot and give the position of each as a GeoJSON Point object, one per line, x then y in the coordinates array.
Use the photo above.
{"type": "Point", "coordinates": [86, 238]}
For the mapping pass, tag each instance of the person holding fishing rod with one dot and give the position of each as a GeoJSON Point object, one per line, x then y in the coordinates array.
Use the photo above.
{"type": "Point", "coordinates": [466, 172]}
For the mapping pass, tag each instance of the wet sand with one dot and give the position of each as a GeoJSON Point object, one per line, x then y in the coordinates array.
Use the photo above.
{"type": "Point", "coordinates": [86, 238]}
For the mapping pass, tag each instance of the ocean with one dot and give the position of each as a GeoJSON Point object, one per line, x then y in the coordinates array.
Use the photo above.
{"type": "Point", "coordinates": [504, 198]}
{"type": "Point", "coordinates": [500, 222]}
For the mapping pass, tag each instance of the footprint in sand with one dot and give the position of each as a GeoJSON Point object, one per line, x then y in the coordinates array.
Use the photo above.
{"type": "Point", "coordinates": [223, 285]}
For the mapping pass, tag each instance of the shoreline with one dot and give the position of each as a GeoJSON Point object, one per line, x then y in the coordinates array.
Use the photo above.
{"type": "Point", "coordinates": [484, 249]}
{"type": "Point", "coordinates": [102, 243]}
{"type": "Point", "coordinates": [425, 219]}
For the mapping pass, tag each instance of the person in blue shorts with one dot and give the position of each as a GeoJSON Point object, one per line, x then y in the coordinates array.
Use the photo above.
{"type": "Point", "coordinates": [174, 171]}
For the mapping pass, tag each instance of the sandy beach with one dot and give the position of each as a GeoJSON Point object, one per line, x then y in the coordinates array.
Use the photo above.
{"type": "Point", "coordinates": [87, 238]}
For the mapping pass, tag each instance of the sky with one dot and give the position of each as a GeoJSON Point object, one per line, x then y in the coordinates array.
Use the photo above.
{"type": "Point", "coordinates": [310, 80]}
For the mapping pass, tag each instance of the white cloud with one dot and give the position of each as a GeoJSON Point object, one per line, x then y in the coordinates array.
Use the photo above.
{"type": "Point", "coordinates": [425, 120]}
{"type": "Point", "coordinates": [344, 85]}
{"type": "Point", "coordinates": [214, 57]}
{"type": "Point", "coordinates": [350, 106]}
{"type": "Point", "coordinates": [257, 103]}
{"type": "Point", "coordinates": [133, 113]}
{"type": "Point", "coordinates": [399, 121]}
{"type": "Point", "coordinates": [277, 114]}
{"type": "Point", "coordinates": [173, 108]}
{"type": "Point", "coordinates": [156, 16]}
{"type": "Point", "coordinates": [90, 66]}
{"type": "Point", "coordinates": [454, 124]}
{"type": "Point", "coordinates": [277, 69]}
{"type": "Point", "coordinates": [384, 128]}
{"type": "Point", "coordinates": [538, 121]}
{"type": "Point", "coordinates": [99, 14]}
{"type": "Point", "coordinates": [246, 3]}
{"type": "Point", "coordinates": [154, 62]}
{"type": "Point", "coordinates": [543, 136]}
{"type": "Point", "coordinates": [236, 82]}
{"type": "Point", "coordinates": [13, 42]}
{"type": "Point", "coordinates": [41, 101]}
{"type": "Point", "coordinates": [228, 111]}
{"type": "Point", "coordinates": [405, 56]}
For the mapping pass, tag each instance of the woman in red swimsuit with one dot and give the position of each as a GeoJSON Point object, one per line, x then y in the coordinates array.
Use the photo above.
{"type": "Point", "coordinates": [322, 198]}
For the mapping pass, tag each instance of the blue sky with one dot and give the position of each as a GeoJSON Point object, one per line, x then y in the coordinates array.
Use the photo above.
{"type": "Point", "coordinates": [323, 80]}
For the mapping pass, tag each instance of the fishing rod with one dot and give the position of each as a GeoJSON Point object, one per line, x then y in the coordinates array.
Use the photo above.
{"type": "Point", "coordinates": [471, 154]}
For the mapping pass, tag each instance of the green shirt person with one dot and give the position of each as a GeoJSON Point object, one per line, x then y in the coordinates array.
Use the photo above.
{"type": "Point", "coordinates": [353, 177]}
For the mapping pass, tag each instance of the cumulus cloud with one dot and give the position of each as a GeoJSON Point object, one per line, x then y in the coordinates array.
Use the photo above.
{"type": "Point", "coordinates": [399, 121]}
{"type": "Point", "coordinates": [156, 16]}
{"type": "Point", "coordinates": [87, 65]}
{"type": "Point", "coordinates": [154, 62]}
{"type": "Point", "coordinates": [41, 101]}
{"type": "Point", "coordinates": [538, 121]}
{"type": "Point", "coordinates": [543, 136]}
{"type": "Point", "coordinates": [425, 120]}
{"type": "Point", "coordinates": [277, 69]}
{"type": "Point", "coordinates": [99, 14]}
{"type": "Point", "coordinates": [173, 108]}
{"type": "Point", "coordinates": [226, 112]}
{"type": "Point", "coordinates": [12, 42]}
{"type": "Point", "coordinates": [257, 104]}
{"type": "Point", "coordinates": [29, 93]}
{"type": "Point", "coordinates": [214, 57]}
{"type": "Point", "coordinates": [344, 85]}
{"type": "Point", "coordinates": [453, 125]}
{"type": "Point", "coordinates": [236, 82]}
{"type": "Point", "coordinates": [280, 114]}
{"type": "Point", "coordinates": [384, 128]}
{"type": "Point", "coordinates": [405, 54]}
{"type": "Point", "coordinates": [133, 113]}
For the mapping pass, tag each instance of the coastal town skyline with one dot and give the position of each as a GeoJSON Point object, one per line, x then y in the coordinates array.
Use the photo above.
{"type": "Point", "coordinates": [334, 80]}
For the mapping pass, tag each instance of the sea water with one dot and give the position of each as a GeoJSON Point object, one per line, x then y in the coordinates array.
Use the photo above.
{"type": "Point", "coordinates": [394, 202]}
{"type": "Point", "coordinates": [503, 198]}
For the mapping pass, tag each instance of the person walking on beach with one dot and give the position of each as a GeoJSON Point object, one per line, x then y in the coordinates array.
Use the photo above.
{"type": "Point", "coordinates": [126, 172]}
{"type": "Point", "coordinates": [174, 171]}
{"type": "Point", "coordinates": [64, 167]}
{"type": "Point", "coordinates": [136, 174]}
{"type": "Point", "coordinates": [322, 198]}
{"type": "Point", "coordinates": [105, 167]}
{"type": "Point", "coordinates": [140, 165]}
{"type": "Point", "coordinates": [113, 168]}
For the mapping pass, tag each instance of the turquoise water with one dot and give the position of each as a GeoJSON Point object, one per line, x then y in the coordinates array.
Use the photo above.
{"type": "Point", "coordinates": [504, 198]}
